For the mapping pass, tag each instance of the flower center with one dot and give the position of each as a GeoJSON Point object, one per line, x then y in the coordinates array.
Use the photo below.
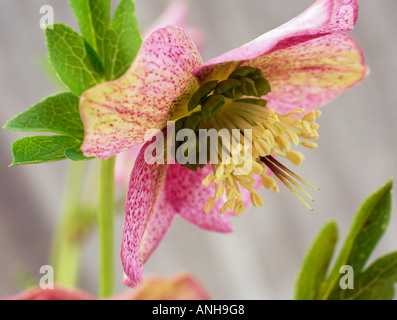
{"type": "Point", "coordinates": [254, 133]}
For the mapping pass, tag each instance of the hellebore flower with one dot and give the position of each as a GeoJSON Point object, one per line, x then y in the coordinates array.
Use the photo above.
{"type": "Point", "coordinates": [175, 14]}
{"type": "Point", "coordinates": [179, 287]}
{"type": "Point", "coordinates": [299, 67]}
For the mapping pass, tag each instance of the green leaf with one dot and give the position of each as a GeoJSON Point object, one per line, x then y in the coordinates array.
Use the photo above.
{"type": "Point", "coordinates": [76, 155]}
{"type": "Point", "coordinates": [122, 41]}
{"type": "Point", "coordinates": [76, 63]}
{"type": "Point", "coordinates": [376, 283]}
{"type": "Point", "coordinates": [316, 263]}
{"type": "Point", "coordinates": [369, 225]}
{"type": "Point", "coordinates": [39, 149]}
{"type": "Point", "coordinates": [93, 17]}
{"type": "Point", "coordinates": [57, 114]}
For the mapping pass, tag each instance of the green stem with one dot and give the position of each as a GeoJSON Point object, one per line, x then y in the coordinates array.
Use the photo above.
{"type": "Point", "coordinates": [66, 249]}
{"type": "Point", "coordinates": [105, 226]}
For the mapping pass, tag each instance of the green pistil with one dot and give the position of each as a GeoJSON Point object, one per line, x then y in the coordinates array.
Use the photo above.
{"type": "Point", "coordinates": [213, 95]}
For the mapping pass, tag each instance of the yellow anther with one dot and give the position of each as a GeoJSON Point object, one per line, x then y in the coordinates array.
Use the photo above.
{"type": "Point", "coordinates": [293, 136]}
{"type": "Point", "coordinates": [208, 180]}
{"type": "Point", "coordinates": [245, 179]}
{"type": "Point", "coordinates": [256, 200]}
{"type": "Point", "coordinates": [209, 205]}
{"type": "Point", "coordinates": [295, 111]}
{"type": "Point", "coordinates": [309, 144]}
{"type": "Point", "coordinates": [310, 117]}
{"type": "Point", "coordinates": [224, 207]}
{"type": "Point", "coordinates": [231, 204]}
{"type": "Point", "coordinates": [268, 182]}
{"type": "Point", "coordinates": [239, 208]}
{"type": "Point", "coordinates": [220, 171]}
{"type": "Point", "coordinates": [264, 146]}
{"type": "Point", "coordinates": [291, 122]}
{"type": "Point", "coordinates": [256, 168]}
{"type": "Point", "coordinates": [219, 191]}
{"type": "Point", "coordinates": [276, 189]}
{"type": "Point", "coordinates": [295, 157]}
{"type": "Point", "coordinates": [283, 143]}
{"type": "Point", "coordinates": [247, 186]}
{"type": "Point", "coordinates": [259, 148]}
{"type": "Point", "coordinates": [306, 127]}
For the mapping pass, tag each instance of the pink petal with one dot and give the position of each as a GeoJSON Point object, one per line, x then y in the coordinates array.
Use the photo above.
{"type": "Point", "coordinates": [308, 61]}
{"type": "Point", "coordinates": [188, 196]}
{"type": "Point", "coordinates": [118, 114]}
{"type": "Point", "coordinates": [308, 74]}
{"type": "Point", "coordinates": [58, 293]}
{"type": "Point", "coordinates": [324, 16]}
{"type": "Point", "coordinates": [142, 200]}
{"type": "Point", "coordinates": [158, 225]}
{"type": "Point", "coordinates": [180, 287]}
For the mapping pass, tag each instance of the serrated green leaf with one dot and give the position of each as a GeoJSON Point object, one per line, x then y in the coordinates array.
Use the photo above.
{"type": "Point", "coordinates": [122, 40]}
{"type": "Point", "coordinates": [93, 17]}
{"type": "Point", "coordinates": [75, 62]}
{"type": "Point", "coordinates": [316, 263]}
{"type": "Point", "coordinates": [76, 155]}
{"type": "Point", "coordinates": [376, 283]}
{"type": "Point", "coordinates": [369, 225]}
{"type": "Point", "coordinates": [39, 149]}
{"type": "Point", "coordinates": [57, 114]}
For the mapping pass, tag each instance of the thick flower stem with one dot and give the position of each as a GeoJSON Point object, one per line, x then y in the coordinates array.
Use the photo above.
{"type": "Point", "coordinates": [66, 249]}
{"type": "Point", "coordinates": [105, 225]}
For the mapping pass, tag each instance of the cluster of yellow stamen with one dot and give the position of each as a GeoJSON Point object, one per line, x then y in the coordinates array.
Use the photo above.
{"type": "Point", "coordinates": [236, 104]}
{"type": "Point", "coordinates": [272, 133]}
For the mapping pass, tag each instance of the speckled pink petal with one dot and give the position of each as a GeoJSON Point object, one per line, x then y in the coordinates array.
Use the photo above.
{"type": "Point", "coordinates": [143, 194]}
{"type": "Point", "coordinates": [118, 114]}
{"type": "Point", "coordinates": [158, 225]}
{"type": "Point", "coordinates": [308, 74]}
{"type": "Point", "coordinates": [188, 196]}
{"type": "Point", "coordinates": [324, 16]}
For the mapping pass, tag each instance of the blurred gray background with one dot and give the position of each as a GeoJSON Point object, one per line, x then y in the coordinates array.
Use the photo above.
{"type": "Point", "coordinates": [357, 153]}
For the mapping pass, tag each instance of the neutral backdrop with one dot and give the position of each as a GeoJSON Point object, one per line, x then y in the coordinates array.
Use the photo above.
{"type": "Point", "coordinates": [357, 153]}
